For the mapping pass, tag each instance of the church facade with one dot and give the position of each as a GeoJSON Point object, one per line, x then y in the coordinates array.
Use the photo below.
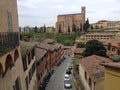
{"type": "Point", "coordinates": [68, 23]}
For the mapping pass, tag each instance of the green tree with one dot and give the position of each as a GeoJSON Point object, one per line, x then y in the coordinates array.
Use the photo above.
{"type": "Point", "coordinates": [86, 25]}
{"type": "Point", "coordinates": [94, 47]}
{"type": "Point", "coordinates": [44, 28]}
{"type": "Point", "coordinates": [91, 26]}
{"type": "Point", "coordinates": [36, 29]}
{"type": "Point", "coordinates": [80, 45]}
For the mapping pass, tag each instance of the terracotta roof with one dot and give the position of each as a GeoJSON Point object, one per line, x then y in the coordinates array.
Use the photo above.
{"type": "Point", "coordinates": [79, 50]}
{"type": "Point", "coordinates": [91, 65]}
{"type": "Point", "coordinates": [69, 14]}
{"type": "Point", "coordinates": [100, 33]}
{"type": "Point", "coordinates": [26, 47]}
{"type": "Point", "coordinates": [114, 42]}
{"type": "Point", "coordinates": [39, 53]}
{"type": "Point", "coordinates": [112, 65]}
{"type": "Point", "coordinates": [49, 44]}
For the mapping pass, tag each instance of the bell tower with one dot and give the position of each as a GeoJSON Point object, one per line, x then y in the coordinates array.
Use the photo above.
{"type": "Point", "coordinates": [83, 11]}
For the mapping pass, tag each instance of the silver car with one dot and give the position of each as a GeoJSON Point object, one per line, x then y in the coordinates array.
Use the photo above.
{"type": "Point", "coordinates": [67, 84]}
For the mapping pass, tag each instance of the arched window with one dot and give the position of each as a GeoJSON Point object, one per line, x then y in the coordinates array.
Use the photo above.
{"type": "Point", "coordinates": [9, 63]}
{"type": "Point", "coordinates": [16, 55]}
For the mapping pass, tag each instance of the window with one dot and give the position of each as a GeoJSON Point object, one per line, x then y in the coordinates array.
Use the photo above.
{"type": "Point", "coordinates": [24, 61]}
{"type": "Point", "coordinates": [26, 80]}
{"type": "Point", "coordinates": [90, 82]}
{"type": "Point", "coordinates": [9, 21]}
{"type": "Point", "coordinates": [33, 53]}
{"type": "Point", "coordinates": [17, 85]}
{"type": "Point", "coordinates": [29, 59]}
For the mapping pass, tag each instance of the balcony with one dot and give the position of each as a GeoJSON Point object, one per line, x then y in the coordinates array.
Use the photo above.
{"type": "Point", "coordinates": [8, 41]}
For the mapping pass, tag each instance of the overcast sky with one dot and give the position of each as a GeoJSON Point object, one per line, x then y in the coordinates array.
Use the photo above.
{"type": "Point", "coordinates": [40, 12]}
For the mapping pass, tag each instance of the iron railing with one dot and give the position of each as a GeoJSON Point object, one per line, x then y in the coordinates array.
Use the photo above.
{"type": "Point", "coordinates": [8, 41]}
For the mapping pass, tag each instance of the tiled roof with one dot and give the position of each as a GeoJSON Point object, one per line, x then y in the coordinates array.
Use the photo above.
{"type": "Point", "coordinates": [79, 50]}
{"type": "Point", "coordinates": [69, 14]}
{"type": "Point", "coordinates": [49, 44]}
{"type": "Point", "coordinates": [26, 47]}
{"type": "Point", "coordinates": [112, 65]}
{"type": "Point", "coordinates": [91, 65]}
{"type": "Point", "coordinates": [113, 42]}
{"type": "Point", "coordinates": [100, 33]}
{"type": "Point", "coordinates": [39, 53]}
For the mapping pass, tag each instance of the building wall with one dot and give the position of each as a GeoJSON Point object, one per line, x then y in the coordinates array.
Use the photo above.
{"type": "Point", "coordinates": [112, 79]}
{"type": "Point", "coordinates": [99, 85]}
{"type": "Point", "coordinates": [5, 7]}
{"type": "Point", "coordinates": [8, 80]}
{"type": "Point", "coordinates": [99, 36]}
{"type": "Point", "coordinates": [88, 83]}
{"type": "Point", "coordinates": [107, 24]}
{"type": "Point", "coordinates": [42, 70]}
{"type": "Point", "coordinates": [82, 76]}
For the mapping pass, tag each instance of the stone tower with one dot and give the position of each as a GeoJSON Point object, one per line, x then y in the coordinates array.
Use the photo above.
{"type": "Point", "coordinates": [83, 11]}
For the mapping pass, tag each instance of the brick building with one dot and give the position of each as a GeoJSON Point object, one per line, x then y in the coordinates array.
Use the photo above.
{"type": "Point", "coordinates": [29, 64]}
{"type": "Point", "coordinates": [70, 22]}
{"type": "Point", "coordinates": [48, 54]}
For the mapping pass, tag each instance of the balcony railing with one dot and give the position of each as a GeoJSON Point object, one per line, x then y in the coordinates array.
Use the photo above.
{"type": "Point", "coordinates": [8, 41]}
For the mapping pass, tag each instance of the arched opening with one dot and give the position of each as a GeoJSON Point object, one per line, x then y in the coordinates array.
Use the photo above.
{"type": "Point", "coordinates": [9, 63]}
{"type": "Point", "coordinates": [16, 55]}
{"type": "Point", "coordinates": [1, 69]}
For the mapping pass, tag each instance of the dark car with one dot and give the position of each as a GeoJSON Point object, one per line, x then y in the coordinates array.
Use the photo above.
{"type": "Point", "coordinates": [68, 71]}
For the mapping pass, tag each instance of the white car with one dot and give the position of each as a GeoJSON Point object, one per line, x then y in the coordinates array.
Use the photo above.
{"type": "Point", "coordinates": [67, 84]}
{"type": "Point", "coordinates": [67, 77]}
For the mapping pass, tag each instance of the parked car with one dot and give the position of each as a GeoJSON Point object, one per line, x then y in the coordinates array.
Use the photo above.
{"type": "Point", "coordinates": [67, 84]}
{"type": "Point", "coordinates": [67, 77]}
{"type": "Point", "coordinates": [70, 67]}
{"type": "Point", "coordinates": [68, 71]}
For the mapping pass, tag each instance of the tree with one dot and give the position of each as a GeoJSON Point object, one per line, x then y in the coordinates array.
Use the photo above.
{"type": "Point", "coordinates": [80, 45]}
{"type": "Point", "coordinates": [36, 29]}
{"type": "Point", "coordinates": [91, 26]}
{"type": "Point", "coordinates": [44, 28]}
{"type": "Point", "coordinates": [86, 25]}
{"type": "Point", "coordinates": [94, 47]}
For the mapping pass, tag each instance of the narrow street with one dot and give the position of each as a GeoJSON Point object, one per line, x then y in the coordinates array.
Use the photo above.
{"type": "Point", "coordinates": [57, 79]}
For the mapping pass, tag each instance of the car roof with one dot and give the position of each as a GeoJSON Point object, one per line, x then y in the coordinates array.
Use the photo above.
{"type": "Point", "coordinates": [66, 75]}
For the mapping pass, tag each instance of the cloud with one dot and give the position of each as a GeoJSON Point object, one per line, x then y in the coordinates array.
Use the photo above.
{"type": "Point", "coordinates": [41, 12]}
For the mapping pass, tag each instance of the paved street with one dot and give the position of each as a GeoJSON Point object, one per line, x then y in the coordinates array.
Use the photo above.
{"type": "Point", "coordinates": [57, 79]}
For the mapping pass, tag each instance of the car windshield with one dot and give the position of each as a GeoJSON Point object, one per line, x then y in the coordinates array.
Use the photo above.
{"type": "Point", "coordinates": [67, 77]}
{"type": "Point", "coordinates": [67, 82]}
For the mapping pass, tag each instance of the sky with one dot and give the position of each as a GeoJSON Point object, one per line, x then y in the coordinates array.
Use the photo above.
{"type": "Point", "coordinates": [40, 12]}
